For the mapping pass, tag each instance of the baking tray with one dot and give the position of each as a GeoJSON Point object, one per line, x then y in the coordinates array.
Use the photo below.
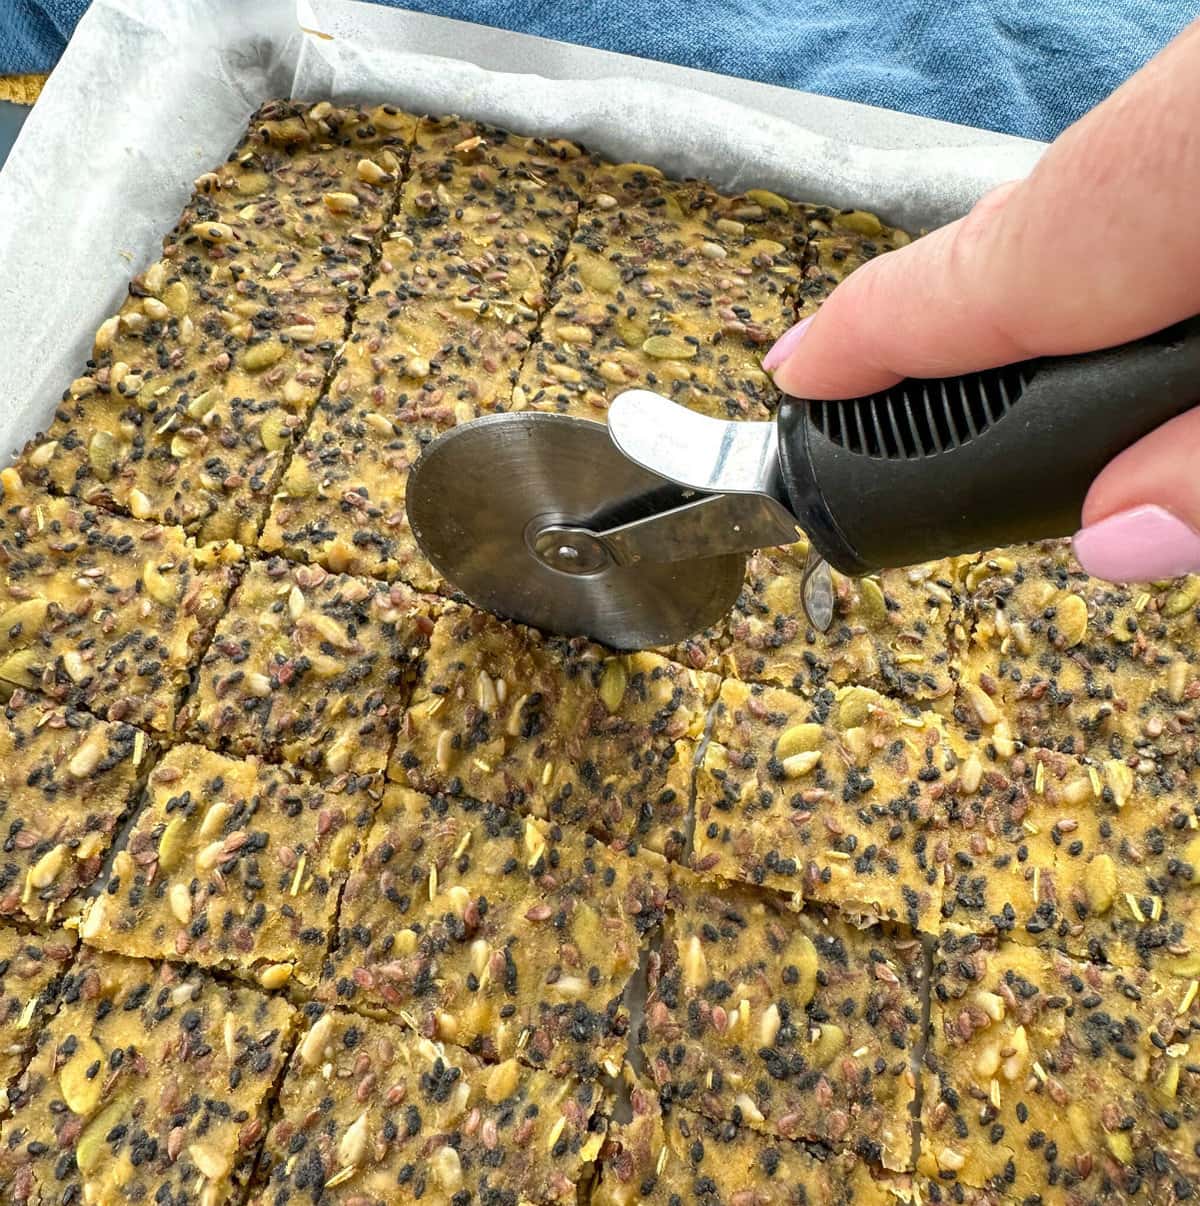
{"type": "Point", "coordinates": [150, 93]}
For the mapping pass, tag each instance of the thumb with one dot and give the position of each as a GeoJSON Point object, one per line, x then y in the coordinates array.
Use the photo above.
{"type": "Point", "coordinates": [1091, 250]}
{"type": "Point", "coordinates": [1142, 514]}
{"type": "Point", "coordinates": [929, 309]}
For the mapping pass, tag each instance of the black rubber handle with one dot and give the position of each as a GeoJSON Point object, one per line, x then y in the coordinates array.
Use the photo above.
{"type": "Point", "coordinates": [932, 468]}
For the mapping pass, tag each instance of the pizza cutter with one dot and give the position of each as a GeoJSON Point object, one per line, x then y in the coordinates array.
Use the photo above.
{"type": "Point", "coordinates": [636, 533]}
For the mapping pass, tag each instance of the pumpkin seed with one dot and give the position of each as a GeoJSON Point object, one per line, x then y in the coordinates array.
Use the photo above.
{"type": "Point", "coordinates": [632, 331]}
{"type": "Point", "coordinates": [667, 347]}
{"type": "Point", "coordinates": [599, 274]}
{"type": "Point", "coordinates": [212, 1163]}
{"type": "Point", "coordinates": [802, 955]}
{"type": "Point", "coordinates": [275, 432]}
{"type": "Point", "coordinates": [502, 1081]}
{"type": "Point", "coordinates": [1072, 620]}
{"type": "Point", "coordinates": [214, 232]}
{"type": "Point", "coordinates": [102, 455]}
{"type": "Point", "coordinates": [613, 683]}
{"type": "Point", "coordinates": [20, 667]}
{"type": "Point", "coordinates": [183, 446]}
{"type": "Point", "coordinates": [80, 1091]}
{"type": "Point", "coordinates": [171, 844]}
{"type": "Point", "coordinates": [92, 1145]}
{"type": "Point", "coordinates": [1120, 1145]}
{"type": "Point", "coordinates": [341, 848]}
{"type": "Point", "coordinates": [1167, 1086]}
{"type": "Point", "coordinates": [1101, 884]}
{"type": "Point", "coordinates": [871, 601]}
{"type": "Point", "coordinates": [1190, 856]}
{"type": "Point", "coordinates": [446, 1166]}
{"type": "Point", "coordinates": [23, 620]}
{"type": "Point", "coordinates": [1183, 599]}
{"type": "Point", "coordinates": [672, 207]}
{"type": "Point", "coordinates": [629, 171]}
{"type": "Point", "coordinates": [1185, 965]}
{"type": "Point", "coordinates": [859, 221]}
{"type": "Point", "coordinates": [202, 403]}
{"type": "Point", "coordinates": [854, 706]}
{"type": "Point", "coordinates": [829, 1042]}
{"type": "Point", "coordinates": [768, 200]}
{"type": "Point", "coordinates": [175, 298]}
{"type": "Point", "coordinates": [250, 184]}
{"type": "Point", "coordinates": [262, 355]}
{"type": "Point", "coordinates": [800, 738]}
{"type": "Point", "coordinates": [1079, 1120]}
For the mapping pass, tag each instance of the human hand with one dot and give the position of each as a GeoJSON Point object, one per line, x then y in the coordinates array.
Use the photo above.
{"type": "Point", "coordinates": [1097, 246]}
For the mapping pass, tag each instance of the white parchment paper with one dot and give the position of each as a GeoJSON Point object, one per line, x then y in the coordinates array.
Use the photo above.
{"type": "Point", "coordinates": [151, 93]}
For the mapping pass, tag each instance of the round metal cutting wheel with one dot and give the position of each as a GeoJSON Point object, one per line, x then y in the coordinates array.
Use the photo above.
{"type": "Point", "coordinates": [505, 506]}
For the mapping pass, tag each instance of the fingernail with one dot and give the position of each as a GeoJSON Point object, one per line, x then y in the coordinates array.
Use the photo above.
{"type": "Point", "coordinates": [1142, 544]}
{"type": "Point", "coordinates": [785, 345]}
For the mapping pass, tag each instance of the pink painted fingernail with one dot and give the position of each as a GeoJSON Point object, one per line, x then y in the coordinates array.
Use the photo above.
{"type": "Point", "coordinates": [1142, 544]}
{"type": "Point", "coordinates": [785, 345]}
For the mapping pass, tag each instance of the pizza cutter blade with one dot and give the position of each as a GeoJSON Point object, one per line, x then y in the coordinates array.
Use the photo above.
{"type": "Point", "coordinates": [507, 509]}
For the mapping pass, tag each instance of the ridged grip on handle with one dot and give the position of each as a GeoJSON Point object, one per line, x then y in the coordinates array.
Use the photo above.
{"type": "Point", "coordinates": [932, 468]}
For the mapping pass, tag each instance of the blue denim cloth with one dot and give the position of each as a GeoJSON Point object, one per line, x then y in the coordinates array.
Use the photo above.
{"type": "Point", "coordinates": [1026, 67]}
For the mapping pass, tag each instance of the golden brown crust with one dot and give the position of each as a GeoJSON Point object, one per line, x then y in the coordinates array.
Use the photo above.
{"type": "Point", "coordinates": [150, 1080]}
{"type": "Point", "coordinates": [681, 1158]}
{"type": "Point", "coordinates": [373, 1114]}
{"type": "Point", "coordinates": [794, 1024]}
{"type": "Point", "coordinates": [232, 864]}
{"type": "Point", "coordinates": [103, 612]}
{"type": "Point", "coordinates": [311, 668]}
{"type": "Point", "coordinates": [66, 781]}
{"type": "Point", "coordinates": [30, 968]}
{"type": "Point", "coordinates": [1061, 1079]}
{"type": "Point", "coordinates": [555, 727]}
{"type": "Point", "coordinates": [505, 935]}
